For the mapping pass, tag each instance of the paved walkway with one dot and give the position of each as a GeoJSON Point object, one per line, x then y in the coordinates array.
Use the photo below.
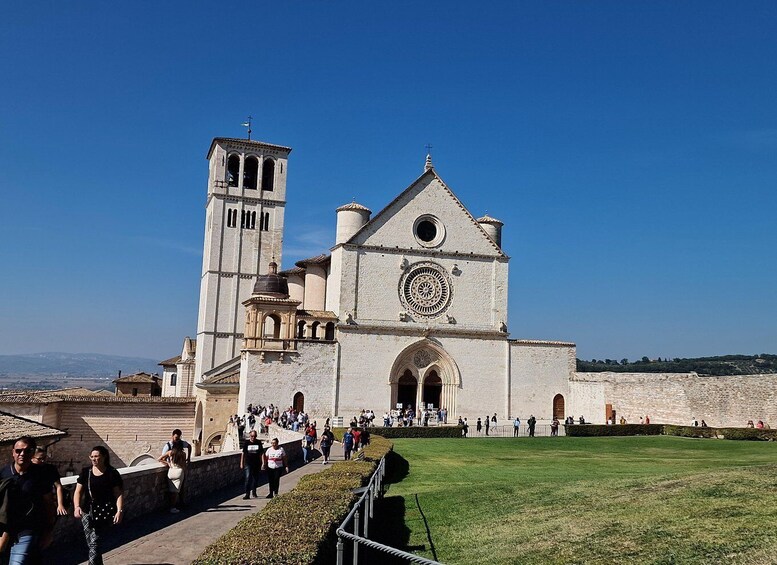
{"type": "Point", "coordinates": [179, 538]}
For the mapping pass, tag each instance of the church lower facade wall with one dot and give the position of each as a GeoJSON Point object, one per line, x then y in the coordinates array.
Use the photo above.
{"type": "Point", "coordinates": [539, 379]}
{"type": "Point", "coordinates": [676, 398]}
{"type": "Point", "coordinates": [309, 372]}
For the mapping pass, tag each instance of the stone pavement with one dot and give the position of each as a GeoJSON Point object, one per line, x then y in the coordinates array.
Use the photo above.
{"type": "Point", "coordinates": [179, 538]}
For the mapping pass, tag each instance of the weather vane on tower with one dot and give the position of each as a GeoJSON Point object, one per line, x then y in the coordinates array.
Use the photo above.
{"type": "Point", "coordinates": [248, 125]}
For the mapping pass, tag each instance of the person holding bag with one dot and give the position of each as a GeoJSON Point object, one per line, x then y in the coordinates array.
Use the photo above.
{"type": "Point", "coordinates": [98, 501]}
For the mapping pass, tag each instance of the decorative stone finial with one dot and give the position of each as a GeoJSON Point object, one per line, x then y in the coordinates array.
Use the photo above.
{"type": "Point", "coordinates": [428, 162]}
{"type": "Point", "coordinates": [273, 269]}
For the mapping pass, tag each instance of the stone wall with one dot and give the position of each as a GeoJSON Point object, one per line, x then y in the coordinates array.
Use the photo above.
{"type": "Point", "coordinates": [676, 398]}
{"type": "Point", "coordinates": [310, 370]}
{"type": "Point", "coordinates": [538, 372]}
{"type": "Point", "coordinates": [129, 430]}
{"type": "Point", "coordinates": [145, 487]}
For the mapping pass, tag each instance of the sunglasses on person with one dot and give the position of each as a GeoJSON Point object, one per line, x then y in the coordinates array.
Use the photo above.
{"type": "Point", "coordinates": [26, 450]}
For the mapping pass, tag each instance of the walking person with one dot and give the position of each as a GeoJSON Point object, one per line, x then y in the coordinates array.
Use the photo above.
{"type": "Point", "coordinates": [516, 426]}
{"type": "Point", "coordinates": [348, 444]}
{"type": "Point", "coordinates": [464, 427]}
{"type": "Point", "coordinates": [54, 504]}
{"type": "Point", "coordinates": [251, 463]}
{"type": "Point", "coordinates": [27, 522]}
{"type": "Point", "coordinates": [327, 439]}
{"type": "Point", "coordinates": [488, 423]}
{"type": "Point", "coordinates": [98, 501]}
{"type": "Point", "coordinates": [275, 461]}
{"type": "Point", "coordinates": [478, 426]}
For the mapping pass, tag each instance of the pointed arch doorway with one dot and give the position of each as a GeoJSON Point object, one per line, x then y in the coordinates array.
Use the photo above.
{"type": "Point", "coordinates": [432, 390]}
{"type": "Point", "coordinates": [422, 374]}
{"type": "Point", "coordinates": [407, 389]}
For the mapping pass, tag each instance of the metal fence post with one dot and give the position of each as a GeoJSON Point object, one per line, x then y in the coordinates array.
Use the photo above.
{"type": "Point", "coordinates": [372, 503]}
{"type": "Point", "coordinates": [340, 549]}
{"type": "Point", "coordinates": [356, 542]}
{"type": "Point", "coordinates": [367, 514]}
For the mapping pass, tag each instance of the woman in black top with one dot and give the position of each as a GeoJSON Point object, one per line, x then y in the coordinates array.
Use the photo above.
{"type": "Point", "coordinates": [100, 489]}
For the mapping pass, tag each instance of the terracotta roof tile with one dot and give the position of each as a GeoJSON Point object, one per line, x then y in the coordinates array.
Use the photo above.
{"type": "Point", "coordinates": [172, 361]}
{"type": "Point", "coordinates": [13, 427]}
{"type": "Point", "coordinates": [317, 260]}
{"type": "Point", "coordinates": [353, 206]}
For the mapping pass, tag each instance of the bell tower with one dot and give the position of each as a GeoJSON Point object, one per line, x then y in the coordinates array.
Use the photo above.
{"type": "Point", "coordinates": [243, 234]}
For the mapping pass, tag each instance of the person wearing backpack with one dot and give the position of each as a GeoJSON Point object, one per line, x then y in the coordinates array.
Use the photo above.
{"type": "Point", "coordinates": [348, 442]}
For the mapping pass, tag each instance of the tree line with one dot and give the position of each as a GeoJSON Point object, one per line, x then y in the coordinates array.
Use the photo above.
{"type": "Point", "coordinates": [722, 365]}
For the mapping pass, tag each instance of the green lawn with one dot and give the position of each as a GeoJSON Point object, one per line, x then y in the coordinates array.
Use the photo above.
{"type": "Point", "coordinates": [586, 500]}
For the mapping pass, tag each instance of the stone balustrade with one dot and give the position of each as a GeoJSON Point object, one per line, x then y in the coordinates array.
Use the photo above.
{"type": "Point", "coordinates": [145, 486]}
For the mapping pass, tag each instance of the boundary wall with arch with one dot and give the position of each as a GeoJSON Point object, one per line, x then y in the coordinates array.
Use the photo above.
{"type": "Point", "coordinates": [675, 398]}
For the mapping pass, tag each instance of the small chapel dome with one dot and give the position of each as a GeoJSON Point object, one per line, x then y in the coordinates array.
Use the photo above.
{"type": "Point", "coordinates": [272, 284]}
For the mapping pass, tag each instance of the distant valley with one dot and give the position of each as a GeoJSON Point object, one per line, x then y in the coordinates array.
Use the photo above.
{"type": "Point", "coordinates": [60, 370]}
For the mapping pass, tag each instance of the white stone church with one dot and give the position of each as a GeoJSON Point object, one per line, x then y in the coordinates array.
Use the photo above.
{"type": "Point", "coordinates": [408, 306]}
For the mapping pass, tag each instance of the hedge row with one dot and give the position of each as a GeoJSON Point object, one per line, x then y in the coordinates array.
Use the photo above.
{"type": "Point", "coordinates": [323, 499]}
{"type": "Point", "coordinates": [752, 434]}
{"type": "Point", "coordinates": [410, 432]}
{"type": "Point", "coordinates": [670, 430]}
{"type": "Point", "coordinates": [591, 430]}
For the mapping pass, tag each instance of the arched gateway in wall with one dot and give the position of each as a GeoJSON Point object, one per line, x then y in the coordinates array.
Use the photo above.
{"type": "Point", "coordinates": [425, 374]}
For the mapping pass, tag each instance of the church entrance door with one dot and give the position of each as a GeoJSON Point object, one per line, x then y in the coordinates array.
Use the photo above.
{"type": "Point", "coordinates": [432, 390]}
{"type": "Point", "coordinates": [558, 407]}
{"type": "Point", "coordinates": [299, 402]}
{"type": "Point", "coordinates": [407, 388]}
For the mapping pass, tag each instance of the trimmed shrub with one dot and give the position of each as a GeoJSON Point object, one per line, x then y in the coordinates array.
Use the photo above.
{"type": "Point", "coordinates": [410, 432]}
{"type": "Point", "coordinates": [596, 430]}
{"type": "Point", "coordinates": [590, 430]}
{"type": "Point", "coordinates": [689, 431]}
{"type": "Point", "coordinates": [323, 498]}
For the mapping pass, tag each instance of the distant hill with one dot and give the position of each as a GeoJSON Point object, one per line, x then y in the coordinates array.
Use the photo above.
{"type": "Point", "coordinates": [90, 365]}
{"type": "Point", "coordinates": [712, 366]}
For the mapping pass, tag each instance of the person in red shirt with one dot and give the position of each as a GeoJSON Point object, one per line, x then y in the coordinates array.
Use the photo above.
{"type": "Point", "coordinates": [357, 437]}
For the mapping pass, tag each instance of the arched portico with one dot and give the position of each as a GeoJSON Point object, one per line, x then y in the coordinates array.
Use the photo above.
{"type": "Point", "coordinates": [425, 370]}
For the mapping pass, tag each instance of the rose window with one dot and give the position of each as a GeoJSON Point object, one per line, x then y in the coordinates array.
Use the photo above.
{"type": "Point", "coordinates": [425, 290]}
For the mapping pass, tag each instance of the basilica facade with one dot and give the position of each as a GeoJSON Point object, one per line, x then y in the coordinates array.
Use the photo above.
{"type": "Point", "coordinates": [408, 307]}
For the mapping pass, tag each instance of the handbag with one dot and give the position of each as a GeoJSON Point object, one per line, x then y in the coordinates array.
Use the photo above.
{"type": "Point", "coordinates": [101, 513]}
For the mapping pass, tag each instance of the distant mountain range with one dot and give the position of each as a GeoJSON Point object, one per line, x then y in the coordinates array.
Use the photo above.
{"type": "Point", "coordinates": [73, 365]}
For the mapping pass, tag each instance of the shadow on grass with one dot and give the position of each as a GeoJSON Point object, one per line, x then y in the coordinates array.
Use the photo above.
{"type": "Point", "coordinates": [388, 526]}
{"type": "Point", "coordinates": [397, 468]}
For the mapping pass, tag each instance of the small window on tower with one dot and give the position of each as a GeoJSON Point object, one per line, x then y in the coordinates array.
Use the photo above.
{"type": "Point", "coordinates": [266, 222]}
{"type": "Point", "coordinates": [243, 218]}
{"type": "Point", "coordinates": [250, 173]}
{"type": "Point", "coordinates": [173, 379]}
{"type": "Point", "coordinates": [253, 220]}
{"type": "Point", "coordinates": [233, 169]}
{"type": "Point", "coordinates": [231, 218]}
{"type": "Point", "coordinates": [268, 174]}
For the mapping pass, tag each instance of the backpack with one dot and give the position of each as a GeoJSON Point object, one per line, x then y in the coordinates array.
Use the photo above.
{"type": "Point", "coordinates": [348, 440]}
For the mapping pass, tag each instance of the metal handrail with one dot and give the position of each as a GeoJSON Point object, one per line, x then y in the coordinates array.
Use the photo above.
{"type": "Point", "coordinates": [373, 490]}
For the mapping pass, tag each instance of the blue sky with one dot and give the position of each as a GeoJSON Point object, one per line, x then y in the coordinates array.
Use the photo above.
{"type": "Point", "coordinates": [629, 147]}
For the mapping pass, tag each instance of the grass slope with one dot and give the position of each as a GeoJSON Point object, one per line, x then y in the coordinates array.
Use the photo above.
{"type": "Point", "coordinates": [588, 500]}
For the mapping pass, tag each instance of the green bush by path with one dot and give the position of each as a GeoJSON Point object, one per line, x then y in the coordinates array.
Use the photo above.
{"type": "Point", "coordinates": [594, 430]}
{"type": "Point", "coordinates": [298, 527]}
{"type": "Point", "coordinates": [410, 432]}
{"type": "Point", "coordinates": [597, 430]}
{"type": "Point", "coordinates": [649, 499]}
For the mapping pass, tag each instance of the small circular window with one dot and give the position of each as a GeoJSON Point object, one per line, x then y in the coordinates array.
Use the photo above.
{"type": "Point", "coordinates": [428, 231]}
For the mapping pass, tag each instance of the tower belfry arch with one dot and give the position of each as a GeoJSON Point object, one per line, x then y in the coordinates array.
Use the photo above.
{"type": "Point", "coordinates": [426, 369]}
